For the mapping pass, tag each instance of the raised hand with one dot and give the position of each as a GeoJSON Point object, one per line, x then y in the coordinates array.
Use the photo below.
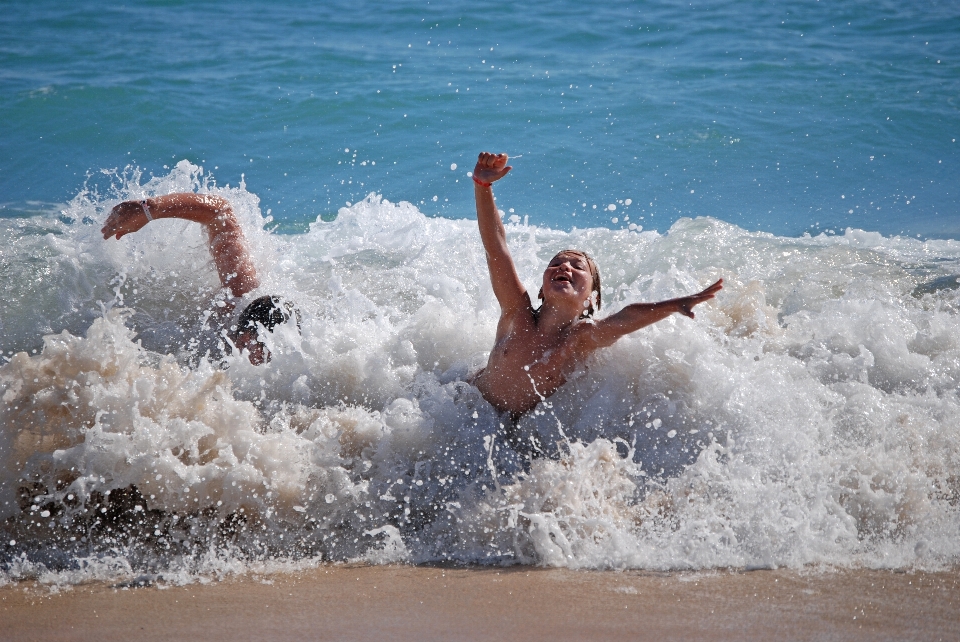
{"type": "Point", "coordinates": [125, 218]}
{"type": "Point", "coordinates": [685, 304]}
{"type": "Point", "coordinates": [491, 167]}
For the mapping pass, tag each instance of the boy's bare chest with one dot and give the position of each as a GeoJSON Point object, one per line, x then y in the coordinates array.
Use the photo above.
{"type": "Point", "coordinates": [526, 348]}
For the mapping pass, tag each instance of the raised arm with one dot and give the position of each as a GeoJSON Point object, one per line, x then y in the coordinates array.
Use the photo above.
{"type": "Point", "coordinates": [638, 315]}
{"type": "Point", "coordinates": [506, 282]}
{"type": "Point", "coordinates": [228, 247]}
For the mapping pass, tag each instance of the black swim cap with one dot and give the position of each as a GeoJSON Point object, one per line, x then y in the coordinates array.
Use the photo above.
{"type": "Point", "coordinates": [268, 311]}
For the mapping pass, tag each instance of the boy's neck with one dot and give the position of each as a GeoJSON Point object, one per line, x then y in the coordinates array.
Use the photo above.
{"type": "Point", "coordinates": [552, 319]}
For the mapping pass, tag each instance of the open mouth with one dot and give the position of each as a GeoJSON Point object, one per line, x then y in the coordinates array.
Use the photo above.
{"type": "Point", "coordinates": [563, 278]}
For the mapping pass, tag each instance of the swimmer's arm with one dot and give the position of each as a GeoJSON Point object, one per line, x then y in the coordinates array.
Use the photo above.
{"type": "Point", "coordinates": [605, 332]}
{"type": "Point", "coordinates": [228, 247]}
{"type": "Point", "coordinates": [506, 282]}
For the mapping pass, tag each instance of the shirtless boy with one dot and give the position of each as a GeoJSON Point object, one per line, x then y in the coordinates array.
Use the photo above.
{"type": "Point", "coordinates": [230, 254]}
{"type": "Point", "coordinates": [537, 349]}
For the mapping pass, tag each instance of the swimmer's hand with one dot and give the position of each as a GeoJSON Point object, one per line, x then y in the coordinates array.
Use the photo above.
{"type": "Point", "coordinates": [685, 304]}
{"type": "Point", "coordinates": [125, 218]}
{"type": "Point", "coordinates": [491, 167]}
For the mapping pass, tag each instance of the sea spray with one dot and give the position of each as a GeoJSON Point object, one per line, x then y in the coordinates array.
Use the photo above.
{"type": "Point", "coordinates": [807, 416]}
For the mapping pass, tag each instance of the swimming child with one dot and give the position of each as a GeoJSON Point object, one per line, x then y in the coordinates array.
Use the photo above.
{"type": "Point", "coordinates": [228, 246]}
{"type": "Point", "coordinates": [536, 349]}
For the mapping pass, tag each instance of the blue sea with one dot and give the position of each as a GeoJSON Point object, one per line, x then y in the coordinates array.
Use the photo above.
{"type": "Point", "coordinates": [804, 152]}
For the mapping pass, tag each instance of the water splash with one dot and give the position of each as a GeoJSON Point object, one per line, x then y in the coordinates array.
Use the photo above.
{"type": "Point", "coordinates": [805, 417]}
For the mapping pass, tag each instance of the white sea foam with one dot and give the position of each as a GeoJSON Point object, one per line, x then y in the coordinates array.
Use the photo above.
{"type": "Point", "coordinates": [808, 415]}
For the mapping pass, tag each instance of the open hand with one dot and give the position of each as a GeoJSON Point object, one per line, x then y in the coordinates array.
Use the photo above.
{"type": "Point", "coordinates": [685, 304]}
{"type": "Point", "coordinates": [125, 218]}
{"type": "Point", "coordinates": [491, 167]}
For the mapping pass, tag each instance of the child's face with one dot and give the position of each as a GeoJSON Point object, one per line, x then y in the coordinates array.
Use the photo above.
{"type": "Point", "coordinates": [568, 278]}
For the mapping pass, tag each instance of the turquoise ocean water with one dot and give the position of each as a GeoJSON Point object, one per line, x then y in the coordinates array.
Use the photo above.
{"type": "Point", "coordinates": [779, 117]}
{"type": "Point", "coordinates": [805, 152]}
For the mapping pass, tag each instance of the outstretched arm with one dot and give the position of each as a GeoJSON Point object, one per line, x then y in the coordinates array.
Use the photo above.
{"type": "Point", "coordinates": [226, 241]}
{"type": "Point", "coordinates": [506, 282]}
{"type": "Point", "coordinates": [638, 315]}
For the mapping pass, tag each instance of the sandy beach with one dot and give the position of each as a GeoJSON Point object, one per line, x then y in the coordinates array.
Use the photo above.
{"type": "Point", "coordinates": [433, 603]}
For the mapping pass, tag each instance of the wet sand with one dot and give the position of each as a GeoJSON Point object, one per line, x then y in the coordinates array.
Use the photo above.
{"type": "Point", "coordinates": [431, 603]}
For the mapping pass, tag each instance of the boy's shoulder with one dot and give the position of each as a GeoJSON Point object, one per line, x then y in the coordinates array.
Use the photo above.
{"type": "Point", "coordinates": [582, 335]}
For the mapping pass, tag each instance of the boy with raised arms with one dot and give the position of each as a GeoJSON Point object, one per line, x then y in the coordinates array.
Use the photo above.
{"type": "Point", "coordinates": [537, 349]}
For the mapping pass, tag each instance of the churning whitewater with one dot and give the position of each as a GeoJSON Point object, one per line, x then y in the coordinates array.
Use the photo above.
{"type": "Point", "coordinates": [809, 415]}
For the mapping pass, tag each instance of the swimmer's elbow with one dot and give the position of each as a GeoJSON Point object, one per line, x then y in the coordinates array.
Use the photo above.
{"type": "Point", "coordinates": [216, 202]}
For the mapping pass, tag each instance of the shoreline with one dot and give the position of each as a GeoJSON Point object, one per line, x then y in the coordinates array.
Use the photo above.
{"type": "Point", "coordinates": [334, 602]}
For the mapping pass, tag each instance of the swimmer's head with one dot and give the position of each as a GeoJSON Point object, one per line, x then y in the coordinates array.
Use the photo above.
{"type": "Point", "coordinates": [592, 303]}
{"type": "Point", "coordinates": [266, 312]}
